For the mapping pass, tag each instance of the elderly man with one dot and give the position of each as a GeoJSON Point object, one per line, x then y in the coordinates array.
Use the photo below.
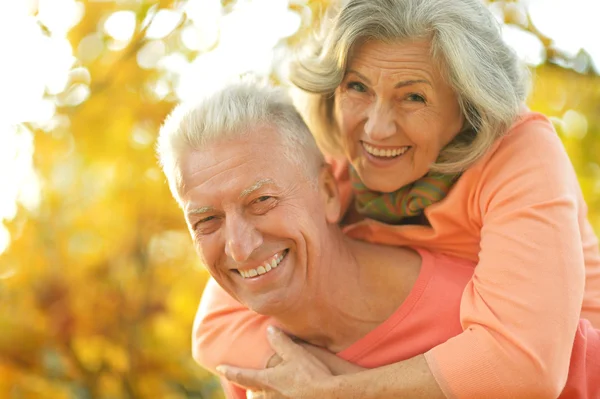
{"type": "Point", "coordinates": [263, 211]}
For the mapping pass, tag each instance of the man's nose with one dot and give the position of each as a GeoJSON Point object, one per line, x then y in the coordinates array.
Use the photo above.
{"type": "Point", "coordinates": [380, 124]}
{"type": "Point", "coordinates": [242, 238]}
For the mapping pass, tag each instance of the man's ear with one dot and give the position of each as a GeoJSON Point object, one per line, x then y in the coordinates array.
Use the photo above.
{"type": "Point", "coordinates": [330, 195]}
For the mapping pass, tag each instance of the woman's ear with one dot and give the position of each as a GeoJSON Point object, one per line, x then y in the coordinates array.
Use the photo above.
{"type": "Point", "coordinates": [330, 195]}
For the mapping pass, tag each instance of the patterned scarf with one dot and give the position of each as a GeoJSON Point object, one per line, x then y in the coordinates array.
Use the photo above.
{"type": "Point", "coordinates": [408, 201]}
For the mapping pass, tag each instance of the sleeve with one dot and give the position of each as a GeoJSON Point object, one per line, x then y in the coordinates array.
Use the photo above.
{"type": "Point", "coordinates": [591, 301]}
{"type": "Point", "coordinates": [226, 332]}
{"type": "Point", "coordinates": [521, 309]}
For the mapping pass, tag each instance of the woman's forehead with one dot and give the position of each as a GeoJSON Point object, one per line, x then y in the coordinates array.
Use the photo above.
{"type": "Point", "coordinates": [397, 60]}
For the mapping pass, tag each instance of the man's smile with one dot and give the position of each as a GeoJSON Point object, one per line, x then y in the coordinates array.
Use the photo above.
{"type": "Point", "coordinates": [268, 265]}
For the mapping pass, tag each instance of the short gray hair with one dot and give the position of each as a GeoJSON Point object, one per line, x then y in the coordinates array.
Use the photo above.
{"type": "Point", "coordinates": [485, 73]}
{"type": "Point", "coordinates": [233, 111]}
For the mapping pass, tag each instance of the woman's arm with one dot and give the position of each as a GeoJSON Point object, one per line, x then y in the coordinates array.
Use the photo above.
{"type": "Point", "coordinates": [410, 378]}
{"type": "Point", "coordinates": [521, 309]}
{"type": "Point", "coordinates": [304, 371]}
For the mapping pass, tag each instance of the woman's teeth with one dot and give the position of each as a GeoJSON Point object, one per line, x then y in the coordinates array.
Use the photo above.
{"type": "Point", "coordinates": [264, 268]}
{"type": "Point", "coordinates": [388, 153]}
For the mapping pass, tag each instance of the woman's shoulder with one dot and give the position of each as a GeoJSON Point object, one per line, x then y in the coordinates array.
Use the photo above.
{"type": "Point", "coordinates": [530, 127]}
{"type": "Point", "coordinates": [528, 163]}
{"type": "Point", "coordinates": [530, 144]}
{"type": "Point", "coordinates": [531, 133]}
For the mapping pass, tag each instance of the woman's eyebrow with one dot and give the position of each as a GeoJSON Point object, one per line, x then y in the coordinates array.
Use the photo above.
{"type": "Point", "coordinates": [398, 85]}
{"type": "Point", "coordinates": [360, 75]}
{"type": "Point", "coordinates": [411, 82]}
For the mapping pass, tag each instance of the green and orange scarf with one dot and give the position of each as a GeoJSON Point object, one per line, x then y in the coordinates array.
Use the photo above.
{"type": "Point", "coordinates": [408, 201]}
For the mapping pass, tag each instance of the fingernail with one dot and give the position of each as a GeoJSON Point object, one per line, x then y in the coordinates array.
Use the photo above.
{"type": "Point", "coordinates": [272, 330]}
{"type": "Point", "coordinates": [221, 369]}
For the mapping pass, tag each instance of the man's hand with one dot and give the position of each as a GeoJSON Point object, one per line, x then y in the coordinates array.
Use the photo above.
{"type": "Point", "coordinates": [300, 375]}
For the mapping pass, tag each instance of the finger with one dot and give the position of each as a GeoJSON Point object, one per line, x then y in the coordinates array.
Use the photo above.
{"type": "Point", "coordinates": [249, 378]}
{"type": "Point", "coordinates": [274, 361]}
{"type": "Point", "coordinates": [282, 344]}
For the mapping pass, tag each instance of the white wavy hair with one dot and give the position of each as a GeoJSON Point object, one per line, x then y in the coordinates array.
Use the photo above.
{"type": "Point", "coordinates": [490, 82]}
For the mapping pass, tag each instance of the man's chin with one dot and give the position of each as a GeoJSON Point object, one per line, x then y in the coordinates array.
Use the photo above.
{"type": "Point", "coordinates": [268, 305]}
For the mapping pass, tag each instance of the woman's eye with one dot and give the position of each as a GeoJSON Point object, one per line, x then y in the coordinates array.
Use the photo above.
{"type": "Point", "coordinates": [416, 98]}
{"type": "Point", "coordinates": [357, 86]}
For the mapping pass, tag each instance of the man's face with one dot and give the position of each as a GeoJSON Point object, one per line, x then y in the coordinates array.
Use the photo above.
{"type": "Point", "coordinates": [257, 222]}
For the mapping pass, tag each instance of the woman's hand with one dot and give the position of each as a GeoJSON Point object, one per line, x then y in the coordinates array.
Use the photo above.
{"type": "Point", "coordinates": [335, 364]}
{"type": "Point", "coordinates": [305, 371]}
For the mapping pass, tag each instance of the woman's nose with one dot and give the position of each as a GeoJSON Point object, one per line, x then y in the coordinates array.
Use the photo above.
{"type": "Point", "coordinates": [380, 124]}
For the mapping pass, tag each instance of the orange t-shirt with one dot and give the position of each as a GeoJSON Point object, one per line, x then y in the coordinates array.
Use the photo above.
{"type": "Point", "coordinates": [429, 316]}
{"type": "Point", "coordinates": [520, 215]}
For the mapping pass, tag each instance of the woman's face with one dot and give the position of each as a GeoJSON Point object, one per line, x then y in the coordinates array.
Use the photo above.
{"type": "Point", "coordinates": [395, 113]}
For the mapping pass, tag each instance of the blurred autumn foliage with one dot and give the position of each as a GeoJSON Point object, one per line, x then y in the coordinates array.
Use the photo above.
{"type": "Point", "coordinates": [100, 282]}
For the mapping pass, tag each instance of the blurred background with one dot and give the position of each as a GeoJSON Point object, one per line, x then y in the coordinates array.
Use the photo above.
{"type": "Point", "coordinates": [98, 278]}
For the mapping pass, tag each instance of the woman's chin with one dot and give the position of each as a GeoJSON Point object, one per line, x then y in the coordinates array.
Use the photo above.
{"type": "Point", "coordinates": [384, 182]}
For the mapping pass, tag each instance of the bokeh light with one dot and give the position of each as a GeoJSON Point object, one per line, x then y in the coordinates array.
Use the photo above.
{"type": "Point", "coordinates": [227, 45]}
{"type": "Point", "coordinates": [97, 271]}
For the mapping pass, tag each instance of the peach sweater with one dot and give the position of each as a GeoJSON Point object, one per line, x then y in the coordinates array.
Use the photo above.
{"type": "Point", "coordinates": [520, 215]}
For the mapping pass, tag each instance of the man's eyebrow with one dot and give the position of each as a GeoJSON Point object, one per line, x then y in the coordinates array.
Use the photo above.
{"type": "Point", "coordinates": [402, 83]}
{"type": "Point", "coordinates": [201, 210]}
{"type": "Point", "coordinates": [257, 185]}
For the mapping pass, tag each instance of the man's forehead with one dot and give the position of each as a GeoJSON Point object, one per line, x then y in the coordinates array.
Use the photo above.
{"type": "Point", "coordinates": [196, 208]}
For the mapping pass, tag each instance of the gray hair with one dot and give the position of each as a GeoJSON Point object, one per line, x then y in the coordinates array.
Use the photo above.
{"type": "Point", "coordinates": [490, 82]}
{"type": "Point", "coordinates": [230, 112]}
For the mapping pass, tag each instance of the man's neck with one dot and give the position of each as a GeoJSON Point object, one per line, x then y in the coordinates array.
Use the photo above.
{"type": "Point", "coordinates": [360, 285]}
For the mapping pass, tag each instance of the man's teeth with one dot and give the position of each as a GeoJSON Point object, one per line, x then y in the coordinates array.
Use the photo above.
{"type": "Point", "coordinates": [385, 152]}
{"type": "Point", "coordinates": [264, 268]}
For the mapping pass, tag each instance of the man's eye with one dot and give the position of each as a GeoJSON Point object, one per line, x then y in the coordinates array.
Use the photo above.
{"type": "Point", "coordinates": [263, 204]}
{"type": "Point", "coordinates": [416, 98]}
{"type": "Point", "coordinates": [262, 198]}
{"type": "Point", "coordinates": [357, 86]}
{"type": "Point", "coordinates": [203, 221]}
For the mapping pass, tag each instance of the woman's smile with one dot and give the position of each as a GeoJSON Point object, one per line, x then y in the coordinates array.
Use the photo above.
{"type": "Point", "coordinates": [381, 156]}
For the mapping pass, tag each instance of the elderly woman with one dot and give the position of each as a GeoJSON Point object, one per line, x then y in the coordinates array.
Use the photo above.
{"type": "Point", "coordinates": [426, 104]}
